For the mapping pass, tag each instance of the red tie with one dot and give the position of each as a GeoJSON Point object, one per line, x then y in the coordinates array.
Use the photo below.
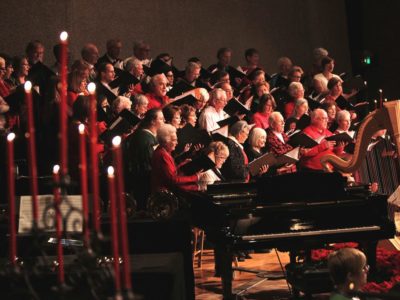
{"type": "Point", "coordinates": [246, 162]}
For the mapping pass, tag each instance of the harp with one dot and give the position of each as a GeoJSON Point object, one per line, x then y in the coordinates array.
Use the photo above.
{"type": "Point", "coordinates": [387, 117]}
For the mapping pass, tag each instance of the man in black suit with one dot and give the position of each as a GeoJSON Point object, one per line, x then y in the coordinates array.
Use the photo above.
{"type": "Point", "coordinates": [189, 80]}
{"type": "Point", "coordinates": [106, 75]}
{"type": "Point", "coordinates": [111, 56]}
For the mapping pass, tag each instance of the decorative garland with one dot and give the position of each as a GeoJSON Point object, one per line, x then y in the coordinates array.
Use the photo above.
{"type": "Point", "coordinates": [387, 264]}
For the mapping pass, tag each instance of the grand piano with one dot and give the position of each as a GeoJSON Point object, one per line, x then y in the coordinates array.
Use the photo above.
{"type": "Point", "coordinates": [300, 211]}
{"type": "Point", "coordinates": [292, 212]}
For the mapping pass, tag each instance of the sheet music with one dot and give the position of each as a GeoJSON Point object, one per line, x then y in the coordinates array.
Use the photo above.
{"type": "Point", "coordinates": [47, 213]}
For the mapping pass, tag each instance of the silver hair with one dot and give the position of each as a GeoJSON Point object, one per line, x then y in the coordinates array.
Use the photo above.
{"type": "Point", "coordinates": [255, 134]}
{"type": "Point", "coordinates": [342, 114]}
{"type": "Point", "coordinates": [273, 116]}
{"type": "Point", "coordinates": [238, 127]}
{"type": "Point", "coordinates": [165, 133]}
{"type": "Point", "coordinates": [216, 94]}
{"type": "Point", "coordinates": [132, 63]}
{"type": "Point", "coordinates": [294, 87]}
{"type": "Point", "coordinates": [120, 103]}
{"type": "Point", "coordinates": [139, 99]}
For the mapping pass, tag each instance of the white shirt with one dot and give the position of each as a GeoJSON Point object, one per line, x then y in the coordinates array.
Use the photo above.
{"type": "Point", "coordinates": [209, 118]}
{"type": "Point", "coordinates": [324, 81]}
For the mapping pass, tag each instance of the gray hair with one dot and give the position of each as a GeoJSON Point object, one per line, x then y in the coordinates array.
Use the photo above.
{"type": "Point", "coordinates": [342, 114]}
{"type": "Point", "coordinates": [298, 103]}
{"type": "Point", "coordinates": [165, 133]}
{"type": "Point", "coordinates": [131, 64]}
{"type": "Point", "coordinates": [273, 116]}
{"type": "Point", "coordinates": [191, 66]}
{"type": "Point", "coordinates": [237, 128]}
{"type": "Point", "coordinates": [314, 114]}
{"type": "Point", "coordinates": [139, 99]}
{"type": "Point", "coordinates": [216, 94]}
{"type": "Point", "coordinates": [157, 78]}
{"type": "Point", "coordinates": [120, 103]}
{"type": "Point", "coordinates": [294, 87]}
{"type": "Point", "coordinates": [255, 134]}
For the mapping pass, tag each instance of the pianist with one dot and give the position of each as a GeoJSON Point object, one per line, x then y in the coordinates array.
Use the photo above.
{"type": "Point", "coordinates": [348, 269]}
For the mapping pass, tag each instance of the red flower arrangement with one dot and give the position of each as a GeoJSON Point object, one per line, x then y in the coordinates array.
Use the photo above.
{"type": "Point", "coordinates": [387, 264]}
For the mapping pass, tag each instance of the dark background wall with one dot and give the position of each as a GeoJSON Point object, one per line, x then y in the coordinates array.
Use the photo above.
{"type": "Point", "coordinates": [184, 28]}
{"type": "Point", "coordinates": [374, 28]}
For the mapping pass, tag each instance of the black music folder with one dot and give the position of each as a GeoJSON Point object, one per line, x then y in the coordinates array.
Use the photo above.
{"type": "Point", "coordinates": [124, 79]}
{"type": "Point", "coordinates": [340, 137]}
{"type": "Point", "coordinates": [122, 124]}
{"type": "Point", "coordinates": [234, 107]}
{"type": "Point", "coordinates": [228, 121]}
{"type": "Point", "coordinates": [303, 140]}
{"type": "Point", "coordinates": [187, 99]}
{"type": "Point", "coordinates": [271, 160]}
{"type": "Point", "coordinates": [354, 83]}
{"type": "Point", "coordinates": [266, 159]}
{"type": "Point", "coordinates": [199, 163]}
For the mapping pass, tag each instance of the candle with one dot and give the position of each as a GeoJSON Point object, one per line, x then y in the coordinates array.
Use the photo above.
{"type": "Point", "coordinates": [117, 157]}
{"type": "Point", "coordinates": [114, 227]}
{"type": "Point", "coordinates": [57, 203]}
{"type": "Point", "coordinates": [94, 170]}
{"type": "Point", "coordinates": [375, 104]}
{"type": "Point", "coordinates": [84, 184]}
{"type": "Point", "coordinates": [63, 134]}
{"type": "Point", "coordinates": [30, 135]}
{"type": "Point", "coordinates": [380, 98]}
{"type": "Point", "coordinates": [11, 198]}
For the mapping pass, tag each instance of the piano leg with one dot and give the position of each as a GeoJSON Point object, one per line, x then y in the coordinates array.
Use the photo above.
{"type": "Point", "coordinates": [224, 257]}
{"type": "Point", "coordinates": [369, 249]}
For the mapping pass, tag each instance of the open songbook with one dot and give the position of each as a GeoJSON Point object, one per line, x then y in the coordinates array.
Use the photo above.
{"type": "Point", "coordinates": [236, 107]}
{"type": "Point", "coordinates": [301, 139]}
{"type": "Point", "coordinates": [199, 163]}
{"type": "Point", "coordinates": [271, 160]}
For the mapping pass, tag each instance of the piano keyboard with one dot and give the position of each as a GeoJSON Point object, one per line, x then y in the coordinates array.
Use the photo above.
{"type": "Point", "coordinates": [309, 233]}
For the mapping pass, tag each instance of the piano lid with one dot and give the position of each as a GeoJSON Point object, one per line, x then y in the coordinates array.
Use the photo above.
{"type": "Point", "coordinates": [302, 187]}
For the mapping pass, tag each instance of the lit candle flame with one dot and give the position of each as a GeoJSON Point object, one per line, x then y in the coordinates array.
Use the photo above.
{"type": "Point", "coordinates": [28, 86]}
{"type": "Point", "coordinates": [91, 87]}
{"type": "Point", "coordinates": [116, 141]}
{"type": "Point", "coordinates": [11, 136]}
{"type": "Point", "coordinates": [64, 36]}
{"type": "Point", "coordinates": [81, 128]}
{"type": "Point", "coordinates": [56, 169]}
{"type": "Point", "coordinates": [110, 171]}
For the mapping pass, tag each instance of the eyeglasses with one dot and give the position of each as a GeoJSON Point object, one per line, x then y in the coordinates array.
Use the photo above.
{"type": "Point", "coordinates": [366, 268]}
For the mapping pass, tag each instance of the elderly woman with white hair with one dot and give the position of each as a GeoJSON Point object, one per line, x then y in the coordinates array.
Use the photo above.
{"type": "Point", "coordinates": [119, 104]}
{"type": "Point", "coordinates": [214, 113]}
{"type": "Point", "coordinates": [164, 173]}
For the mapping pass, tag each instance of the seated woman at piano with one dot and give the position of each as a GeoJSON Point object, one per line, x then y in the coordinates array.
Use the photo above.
{"type": "Point", "coordinates": [164, 174]}
{"type": "Point", "coordinates": [348, 269]}
{"type": "Point", "coordinates": [217, 152]}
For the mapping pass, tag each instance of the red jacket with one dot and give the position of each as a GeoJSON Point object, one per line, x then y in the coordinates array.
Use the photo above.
{"type": "Point", "coordinates": [164, 174]}
{"type": "Point", "coordinates": [311, 159]}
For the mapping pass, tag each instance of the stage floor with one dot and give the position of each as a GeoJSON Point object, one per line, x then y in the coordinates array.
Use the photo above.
{"type": "Point", "coordinates": [249, 285]}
